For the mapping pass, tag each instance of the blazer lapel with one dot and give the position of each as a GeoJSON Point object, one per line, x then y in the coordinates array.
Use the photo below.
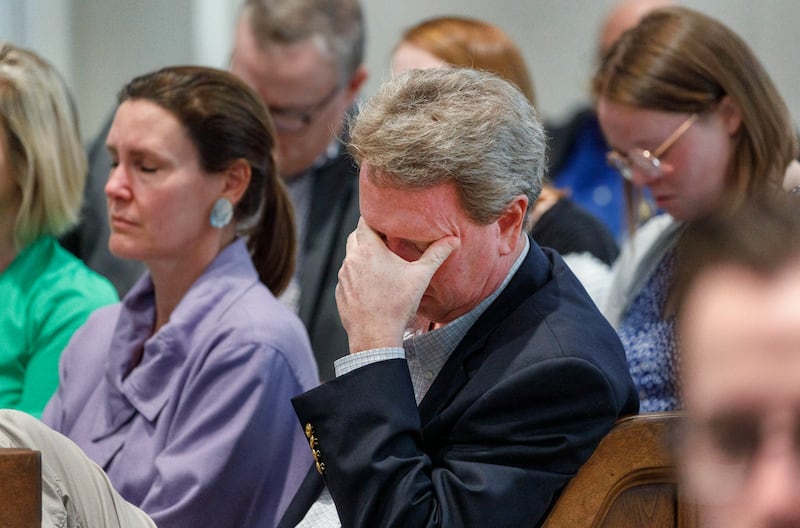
{"type": "Point", "coordinates": [471, 352]}
{"type": "Point", "coordinates": [447, 384]}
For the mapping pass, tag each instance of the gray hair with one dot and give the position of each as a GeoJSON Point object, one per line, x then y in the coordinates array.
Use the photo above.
{"type": "Point", "coordinates": [337, 25]}
{"type": "Point", "coordinates": [460, 126]}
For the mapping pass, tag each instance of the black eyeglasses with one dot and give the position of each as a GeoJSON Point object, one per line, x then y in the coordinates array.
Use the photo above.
{"type": "Point", "coordinates": [646, 160]}
{"type": "Point", "coordinates": [297, 119]}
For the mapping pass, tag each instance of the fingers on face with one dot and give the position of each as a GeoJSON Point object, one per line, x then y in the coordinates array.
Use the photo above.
{"type": "Point", "coordinates": [444, 247]}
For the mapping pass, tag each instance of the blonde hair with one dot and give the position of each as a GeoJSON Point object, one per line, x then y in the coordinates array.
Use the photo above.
{"type": "Point", "coordinates": [462, 126]}
{"type": "Point", "coordinates": [679, 60]}
{"type": "Point", "coordinates": [46, 158]}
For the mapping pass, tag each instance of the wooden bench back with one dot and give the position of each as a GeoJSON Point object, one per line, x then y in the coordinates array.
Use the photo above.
{"type": "Point", "coordinates": [629, 481]}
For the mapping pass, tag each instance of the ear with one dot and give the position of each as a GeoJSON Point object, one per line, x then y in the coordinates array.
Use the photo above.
{"type": "Point", "coordinates": [731, 114]}
{"type": "Point", "coordinates": [511, 223]}
{"type": "Point", "coordinates": [355, 83]}
{"type": "Point", "coordinates": [236, 180]}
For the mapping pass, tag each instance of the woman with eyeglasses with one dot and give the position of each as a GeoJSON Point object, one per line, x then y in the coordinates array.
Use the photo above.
{"type": "Point", "coordinates": [692, 116]}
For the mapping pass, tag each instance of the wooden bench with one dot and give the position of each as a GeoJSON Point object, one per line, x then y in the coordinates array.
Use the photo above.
{"type": "Point", "coordinates": [20, 488]}
{"type": "Point", "coordinates": [629, 481]}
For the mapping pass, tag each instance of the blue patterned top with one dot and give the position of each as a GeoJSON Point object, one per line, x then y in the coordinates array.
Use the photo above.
{"type": "Point", "coordinates": [650, 344]}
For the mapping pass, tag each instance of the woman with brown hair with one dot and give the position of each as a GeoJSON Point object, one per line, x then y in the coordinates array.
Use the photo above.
{"type": "Point", "coordinates": [181, 392]}
{"type": "Point", "coordinates": [691, 115]}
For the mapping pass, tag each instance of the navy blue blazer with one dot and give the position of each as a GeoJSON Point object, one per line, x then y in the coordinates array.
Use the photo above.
{"type": "Point", "coordinates": [518, 407]}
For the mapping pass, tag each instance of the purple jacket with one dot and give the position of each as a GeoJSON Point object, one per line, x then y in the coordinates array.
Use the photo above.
{"type": "Point", "coordinates": [201, 432]}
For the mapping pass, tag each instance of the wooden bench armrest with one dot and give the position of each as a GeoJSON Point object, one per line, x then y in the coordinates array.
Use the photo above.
{"type": "Point", "coordinates": [20, 488]}
{"type": "Point", "coordinates": [630, 480]}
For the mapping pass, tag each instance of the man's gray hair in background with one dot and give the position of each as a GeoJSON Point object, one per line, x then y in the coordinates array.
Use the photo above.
{"type": "Point", "coordinates": [460, 126]}
{"type": "Point", "coordinates": [337, 25]}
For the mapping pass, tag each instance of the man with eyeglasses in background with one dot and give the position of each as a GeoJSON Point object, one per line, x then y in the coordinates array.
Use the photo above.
{"type": "Point", "coordinates": [304, 58]}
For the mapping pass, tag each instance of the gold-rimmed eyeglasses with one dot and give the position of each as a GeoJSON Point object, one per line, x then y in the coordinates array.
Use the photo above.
{"type": "Point", "coordinates": [647, 160]}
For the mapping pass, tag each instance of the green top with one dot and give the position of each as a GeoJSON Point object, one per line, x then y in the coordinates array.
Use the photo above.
{"type": "Point", "coordinates": [46, 293]}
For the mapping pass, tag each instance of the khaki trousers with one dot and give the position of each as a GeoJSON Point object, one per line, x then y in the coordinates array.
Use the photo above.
{"type": "Point", "coordinates": [76, 492]}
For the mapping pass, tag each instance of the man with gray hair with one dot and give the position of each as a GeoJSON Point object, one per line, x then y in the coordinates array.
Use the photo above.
{"type": "Point", "coordinates": [304, 58]}
{"type": "Point", "coordinates": [480, 375]}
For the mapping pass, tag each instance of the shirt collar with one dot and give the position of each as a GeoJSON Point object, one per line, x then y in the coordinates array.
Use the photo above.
{"type": "Point", "coordinates": [427, 352]}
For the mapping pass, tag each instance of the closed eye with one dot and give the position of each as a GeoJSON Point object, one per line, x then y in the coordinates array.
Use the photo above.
{"type": "Point", "coordinates": [146, 167]}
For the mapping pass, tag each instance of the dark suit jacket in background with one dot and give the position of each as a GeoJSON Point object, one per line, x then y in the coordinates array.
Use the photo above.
{"type": "Point", "coordinates": [568, 228]}
{"type": "Point", "coordinates": [518, 407]}
{"type": "Point", "coordinates": [333, 216]}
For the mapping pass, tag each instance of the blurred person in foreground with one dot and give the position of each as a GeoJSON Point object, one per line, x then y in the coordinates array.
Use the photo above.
{"type": "Point", "coordinates": [46, 292]}
{"type": "Point", "coordinates": [481, 375]}
{"type": "Point", "coordinates": [181, 392]}
{"type": "Point", "coordinates": [740, 337]}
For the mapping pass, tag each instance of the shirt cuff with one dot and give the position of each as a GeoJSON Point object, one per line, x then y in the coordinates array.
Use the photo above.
{"type": "Point", "coordinates": [351, 362]}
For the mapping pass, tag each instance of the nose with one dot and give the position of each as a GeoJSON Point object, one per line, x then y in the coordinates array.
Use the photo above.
{"type": "Point", "coordinates": [775, 486]}
{"type": "Point", "coordinates": [118, 184]}
{"type": "Point", "coordinates": [640, 177]}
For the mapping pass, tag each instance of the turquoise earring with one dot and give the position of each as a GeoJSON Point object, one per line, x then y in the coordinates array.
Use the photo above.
{"type": "Point", "coordinates": [221, 213]}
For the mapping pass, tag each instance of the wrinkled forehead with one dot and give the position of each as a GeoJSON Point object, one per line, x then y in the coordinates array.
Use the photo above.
{"type": "Point", "coordinates": [740, 338]}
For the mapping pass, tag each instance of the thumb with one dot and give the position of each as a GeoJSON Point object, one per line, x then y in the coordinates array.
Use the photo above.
{"type": "Point", "coordinates": [435, 254]}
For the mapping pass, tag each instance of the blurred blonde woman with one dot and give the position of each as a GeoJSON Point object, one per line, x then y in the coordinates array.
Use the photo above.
{"type": "Point", "coordinates": [46, 292]}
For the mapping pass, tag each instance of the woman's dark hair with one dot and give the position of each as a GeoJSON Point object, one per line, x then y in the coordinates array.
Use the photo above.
{"type": "Point", "coordinates": [226, 122]}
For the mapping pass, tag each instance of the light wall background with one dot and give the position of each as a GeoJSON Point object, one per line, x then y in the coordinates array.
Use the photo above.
{"type": "Point", "coordinates": [100, 44]}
